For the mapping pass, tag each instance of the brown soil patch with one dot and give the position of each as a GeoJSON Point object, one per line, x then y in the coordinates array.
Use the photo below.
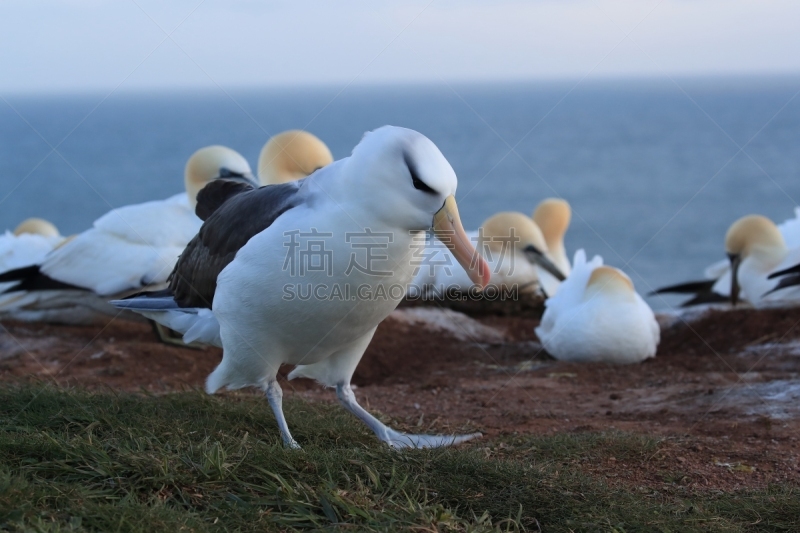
{"type": "Point", "coordinates": [723, 391]}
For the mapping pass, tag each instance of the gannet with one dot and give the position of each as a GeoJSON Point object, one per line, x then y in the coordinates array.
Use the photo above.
{"type": "Point", "coordinates": [239, 283]}
{"type": "Point", "coordinates": [756, 248]}
{"type": "Point", "coordinates": [598, 316]}
{"type": "Point", "coordinates": [125, 250]}
{"type": "Point", "coordinates": [510, 242]}
{"type": "Point", "coordinates": [553, 216]}
{"type": "Point", "coordinates": [291, 155]}
{"type": "Point", "coordinates": [27, 245]}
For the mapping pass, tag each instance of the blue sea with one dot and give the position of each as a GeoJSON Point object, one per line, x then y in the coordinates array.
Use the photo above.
{"type": "Point", "coordinates": [655, 170]}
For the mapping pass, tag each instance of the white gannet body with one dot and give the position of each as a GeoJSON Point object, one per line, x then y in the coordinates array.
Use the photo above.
{"type": "Point", "coordinates": [598, 316]}
{"type": "Point", "coordinates": [247, 267]}
{"type": "Point", "coordinates": [125, 250]}
{"type": "Point", "coordinates": [756, 247]}
{"type": "Point", "coordinates": [28, 244]}
{"type": "Point", "coordinates": [790, 230]}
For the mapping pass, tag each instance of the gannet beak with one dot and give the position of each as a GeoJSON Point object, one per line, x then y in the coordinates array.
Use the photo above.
{"type": "Point", "coordinates": [735, 260]}
{"type": "Point", "coordinates": [448, 229]}
{"type": "Point", "coordinates": [536, 257]}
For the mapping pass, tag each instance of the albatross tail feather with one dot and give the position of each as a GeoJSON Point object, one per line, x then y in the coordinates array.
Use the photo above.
{"type": "Point", "coordinates": [195, 324]}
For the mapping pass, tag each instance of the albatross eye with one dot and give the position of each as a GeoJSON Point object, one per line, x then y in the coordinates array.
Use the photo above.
{"type": "Point", "coordinates": [418, 183]}
{"type": "Point", "coordinates": [421, 185]}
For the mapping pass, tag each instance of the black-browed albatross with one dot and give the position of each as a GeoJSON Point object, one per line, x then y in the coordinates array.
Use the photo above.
{"type": "Point", "coordinates": [236, 285]}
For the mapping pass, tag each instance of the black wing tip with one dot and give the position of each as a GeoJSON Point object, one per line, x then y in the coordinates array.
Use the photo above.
{"type": "Point", "coordinates": [791, 270]}
{"type": "Point", "coordinates": [690, 287]}
{"type": "Point", "coordinates": [31, 279]}
{"type": "Point", "coordinates": [707, 298]}
{"type": "Point", "coordinates": [19, 274]}
{"type": "Point", "coordinates": [788, 281]}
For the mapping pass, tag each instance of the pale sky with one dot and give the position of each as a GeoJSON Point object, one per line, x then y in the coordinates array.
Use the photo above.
{"type": "Point", "coordinates": [49, 45]}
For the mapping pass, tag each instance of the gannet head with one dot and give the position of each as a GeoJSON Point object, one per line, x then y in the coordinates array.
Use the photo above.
{"type": "Point", "coordinates": [606, 280]}
{"type": "Point", "coordinates": [508, 228]}
{"type": "Point", "coordinates": [37, 226]}
{"type": "Point", "coordinates": [210, 163]}
{"type": "Point", "coordinates": [752, 236]}
{"type": "Point", "coordinates": [410, 186]}
{"type": "Point", "coordinates": [553, 216]}
{"type": "Point", "coordinates": [291, 155]}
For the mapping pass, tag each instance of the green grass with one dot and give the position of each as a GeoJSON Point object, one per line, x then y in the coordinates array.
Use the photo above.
{"type": "Point", "coordinates": [78, 461]}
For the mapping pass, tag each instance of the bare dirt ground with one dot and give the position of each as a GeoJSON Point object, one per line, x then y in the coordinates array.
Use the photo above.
{"type": "Point", "coordinates": [723, 391]}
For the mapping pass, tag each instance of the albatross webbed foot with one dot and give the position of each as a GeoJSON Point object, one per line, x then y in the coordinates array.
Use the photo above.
{"type": "Point", "coordinates": [399, 441]}
{"type": "Point", "coordinates": [393, 438]}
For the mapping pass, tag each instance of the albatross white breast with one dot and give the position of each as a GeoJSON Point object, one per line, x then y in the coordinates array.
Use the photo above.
{"type": "Point", "coordinates": [245, 277]}
{"type": "Point", "coordinates": [598, 316]}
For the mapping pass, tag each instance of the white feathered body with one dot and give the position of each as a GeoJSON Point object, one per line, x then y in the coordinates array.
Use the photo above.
{"type": "Point", "coordinates": [126, 250]}
{"type": "Point", "coordinates": [23, 250]}
{"type": "Point", "coordinates": [17, 251]}
{"type": "Point", "coordinates": [264, 312]}
{"type": "Point", "coordinates": [595, 325]}
{"type": "Point", "coordinates": [753, 272]}
{"type": "Point", "coordinates": [754, 280]}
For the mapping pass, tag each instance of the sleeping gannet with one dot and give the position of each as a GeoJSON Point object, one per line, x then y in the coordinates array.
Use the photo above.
{"type": "Point", "coordinates": [598, 316]}
{"type": "Point", "coordinates": [27, 245]}
{"type": "Point", "coordinates": [125, 250]}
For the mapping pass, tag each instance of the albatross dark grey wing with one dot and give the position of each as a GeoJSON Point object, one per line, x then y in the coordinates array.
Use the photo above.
{"type": "Point", "coordinates": [219, 191]}
{"type": "Point", "coordinates": [231, 222]}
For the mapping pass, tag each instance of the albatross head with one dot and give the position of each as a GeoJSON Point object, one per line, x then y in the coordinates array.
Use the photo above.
{"type": "Point", "coordinates": [510, 228]}
{"type": "Point", "coordinates": [553, 216]}
{"type": "Point", "coordinates": [37, 226]}
{"type": "Point", "coordinates": [411, 187]}
{"type": "Point", "coordinates": [752, 236]}
{"type": "Point", "coordinates": [210, 163]}
{"type": "Point", "coordinates": [291, 155]}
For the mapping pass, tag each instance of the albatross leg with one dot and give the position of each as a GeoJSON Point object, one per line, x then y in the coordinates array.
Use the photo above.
{"type": "Point", "coordinates": [275, 397]}
{"type": "Point", "coordinates": [393, 438]}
